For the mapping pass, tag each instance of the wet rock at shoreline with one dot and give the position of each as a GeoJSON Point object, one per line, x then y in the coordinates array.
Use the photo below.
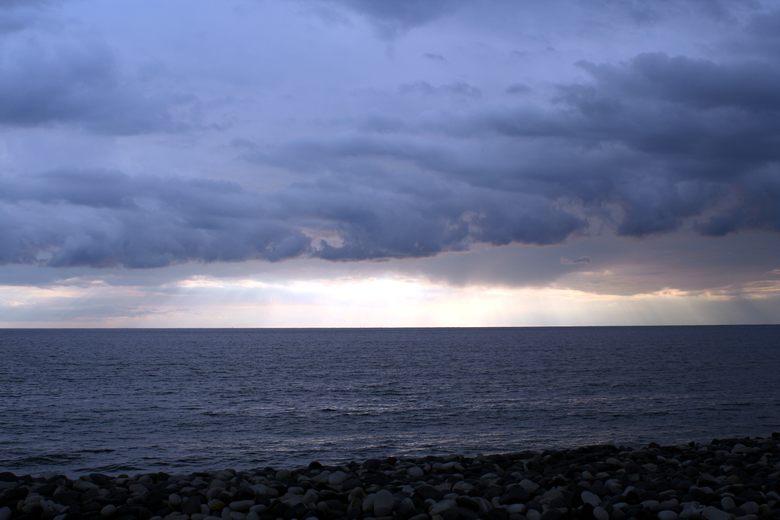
{"type": "Point", "coordinates": [736, 479]}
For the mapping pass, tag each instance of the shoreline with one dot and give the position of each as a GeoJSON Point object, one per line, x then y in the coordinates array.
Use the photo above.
{"type": "Point", "coordinates": [724, 479]}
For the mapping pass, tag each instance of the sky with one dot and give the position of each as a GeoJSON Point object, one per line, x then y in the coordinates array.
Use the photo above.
{"type": "Point", "coordinates": [353, 163]}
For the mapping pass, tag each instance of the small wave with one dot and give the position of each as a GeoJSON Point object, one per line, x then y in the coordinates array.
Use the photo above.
{"type": "Point", "coordinates": [109, 468]}
{"type": "Point", "coordinates": [351, 412]}
{"type": "Point", "coordinates": [52, 459]}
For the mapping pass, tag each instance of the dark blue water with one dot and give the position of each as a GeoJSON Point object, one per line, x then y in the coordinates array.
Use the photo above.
{"type": "Point", "coordinates": [179, 400]}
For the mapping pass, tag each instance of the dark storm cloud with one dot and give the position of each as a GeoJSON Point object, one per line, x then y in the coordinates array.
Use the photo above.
{"type": "Point", "coordinates": [50, 82]}
{"type": "Point", "coordinates": [103, 218]}
{"type": "Point", "coordinates": [697, 83]}
{"type": "Point", "coordinates": [663, 140]}
{"type": "Point", "coordinates": [407, 224]}
{"type": "Point", "coordinates": [710, 131]}
{"type": "Point", "coordinates": [650, 145]}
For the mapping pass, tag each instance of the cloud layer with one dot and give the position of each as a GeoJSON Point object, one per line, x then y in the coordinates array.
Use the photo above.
{"type": "Point", "coordinates": [374, 130]}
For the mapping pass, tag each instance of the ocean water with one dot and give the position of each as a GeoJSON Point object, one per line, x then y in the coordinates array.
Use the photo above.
{"type": "Point", "coordinates": [115, 401]}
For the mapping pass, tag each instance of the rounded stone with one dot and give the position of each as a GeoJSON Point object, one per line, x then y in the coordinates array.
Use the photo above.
{"type": "Point", "coordinates": [311, 496]}
{"type": "Point", "coordinates": [216, 504]}
{"type": "Point", "coordinates": [383, 503]}
{"type": "Point", "coordinates": [415, 472]}
{"type": "Point", "coordinates": [337, 478]}
{"type": "Point", "coordinates": [108, 511]}
{"type": "Point", "coordinates": [283, 474]}
{"type": "Point", "coordinates": [406, 507]}
{"type": "Point", "coordinates": [462, 487]}
{"type": "Point", "coordinates": [599, 513]}
{"type": "Point", "coordinates": [442, 506]}
{"type": "Point", "coordinates": [713, 513]}
{"type": "Point", "coordinates": [529, 485]}
{"type": "Point", "coordinates": [191, 506]}
{"type": "Point", "coordinates": [242, 505]}
{"type": "Point", "coordinates": [590, 498]}
{"type": "Point", "coordinates": [553, 498]}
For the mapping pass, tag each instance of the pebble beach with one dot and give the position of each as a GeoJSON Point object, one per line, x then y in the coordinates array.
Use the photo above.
{"type": "Point", "coordinates": [720, 480]}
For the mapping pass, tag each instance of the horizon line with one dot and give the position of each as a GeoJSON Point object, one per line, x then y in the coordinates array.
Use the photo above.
{"type": "Point", "coordinates": [496, 327]}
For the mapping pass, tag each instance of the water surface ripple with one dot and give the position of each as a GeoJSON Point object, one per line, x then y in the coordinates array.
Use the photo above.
{"type": "Point", "coordinates": [115, 401]}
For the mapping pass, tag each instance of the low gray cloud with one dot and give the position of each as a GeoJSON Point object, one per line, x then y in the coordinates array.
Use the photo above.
{"type": "Point", "coordinates": [575, 261]}
{"type": "Point", "coordinates": [60, 81]}
{"type": "Point", "coordinates": [18, 15]}
{"type": "Point", "coordinates": [651, 12]}
{"type": "Point", "coordinates": [434, 57]}
{"type": "Point", "coordinates": [338, 162]}
{"type": "Point", "coordinates": [458, 88]}
{"type": "Point", "coordinates": [659, 141]}
{"type": "Point", "coordinates": [105, 218]}
{"type": "Point", "coordinates": [697, 83]}
{"type": "Point", "coordinates": [518, 89]}
{"type": "Point", "coordinates": [652, 145]}
{"type": "Point", "coordinates": [394, 18]}
{"type": "Point", "coordinates": [762, 35]}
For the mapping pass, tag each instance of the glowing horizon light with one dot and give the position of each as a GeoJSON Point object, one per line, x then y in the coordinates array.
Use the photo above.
{"type": "Point", "coordinates": [367, 301]}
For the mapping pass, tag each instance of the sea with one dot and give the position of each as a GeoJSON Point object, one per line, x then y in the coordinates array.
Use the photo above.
{"type": "Point", "coordinates": [179, 401]}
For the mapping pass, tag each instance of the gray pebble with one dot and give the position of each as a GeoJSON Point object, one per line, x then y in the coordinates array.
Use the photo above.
{"type": "Point", "coordinates": [529, 485]}
{"type": "Point", "coordinates": [415, 472]}
{"type": "Point", "coordinates": [599, 513]}
{"type": "Point", "coordinates": [713, 513]}
{"type": "Point", "coordinates": [383, 503]}
{"type": "Point", "coordinates": [242, 505]}
{"type": "Point", "coordinates": [441, 506]}
{"type": "Point", "coordinates": [337, 478]}
{"type": "Point", "coordinates": [590, 498]}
